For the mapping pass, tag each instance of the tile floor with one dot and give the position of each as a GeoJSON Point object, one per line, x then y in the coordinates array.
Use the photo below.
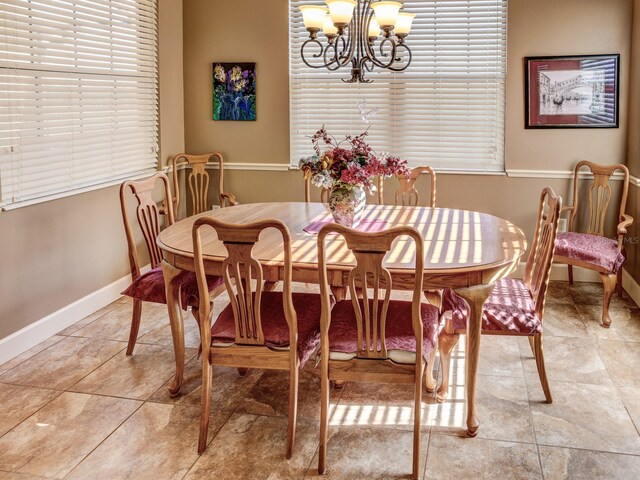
{"type": "Point", "coordinates": [75, 407]}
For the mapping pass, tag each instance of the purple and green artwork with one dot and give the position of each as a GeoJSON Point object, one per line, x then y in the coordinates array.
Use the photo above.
{"type": "Point", "coordinates": [234, 91]}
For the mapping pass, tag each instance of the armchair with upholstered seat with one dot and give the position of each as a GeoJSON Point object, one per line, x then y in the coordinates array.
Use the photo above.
{"type": "Point", "coordinates": [591, 249]}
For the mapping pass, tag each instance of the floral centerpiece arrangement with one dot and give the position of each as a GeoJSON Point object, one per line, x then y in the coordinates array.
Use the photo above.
{"type": "Point", "coordinates": [347, 168]}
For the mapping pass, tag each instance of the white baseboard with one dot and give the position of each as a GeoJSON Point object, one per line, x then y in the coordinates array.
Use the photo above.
{"type": "Point", "coordinates": [631, 286]}
{"type": "Point", "coordinates": [31, 335]}
{"type": "Point", "coordinates": [559, 272]}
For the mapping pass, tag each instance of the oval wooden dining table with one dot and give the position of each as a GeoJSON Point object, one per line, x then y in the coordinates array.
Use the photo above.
{"type": "Point", "coordinates": [464, 250]}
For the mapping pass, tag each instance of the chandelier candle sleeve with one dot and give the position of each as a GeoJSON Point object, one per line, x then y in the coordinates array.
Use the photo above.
{"type": "Point", "coordinates": [352, 30]}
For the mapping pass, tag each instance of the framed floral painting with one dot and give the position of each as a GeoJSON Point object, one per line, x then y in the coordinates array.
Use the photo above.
{"type": "Point", "coordinates": [572, 91]}
{"type": "Point", "coordinates": [234, 91]}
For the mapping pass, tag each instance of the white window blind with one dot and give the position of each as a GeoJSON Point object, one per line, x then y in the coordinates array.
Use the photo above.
{"type": "Point", "coordinates": [78, 95]}
{"type": "Point", "coordinates": [446, 110]}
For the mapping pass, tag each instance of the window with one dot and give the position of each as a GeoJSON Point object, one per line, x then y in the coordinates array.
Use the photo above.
{"type": "Point", "coordinates": [78, 95]}
{"type": "Point", "coordinates": [446, 110]}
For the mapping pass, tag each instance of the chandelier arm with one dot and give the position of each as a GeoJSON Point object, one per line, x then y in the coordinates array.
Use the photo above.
{"type": "Point", "coordinates": [392, 55]}
{"type": "Point", "coordinates": [321, 53]}
{"type": "Point", "coordinates": [403, 67]}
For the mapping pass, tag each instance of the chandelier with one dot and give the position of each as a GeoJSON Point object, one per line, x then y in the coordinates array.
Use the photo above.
{"type": "Point", "coordinates": [352, 30]}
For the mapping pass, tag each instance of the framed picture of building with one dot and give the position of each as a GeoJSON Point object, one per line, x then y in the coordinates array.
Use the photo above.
{"type": "Point", "coordinates": [572, 91]}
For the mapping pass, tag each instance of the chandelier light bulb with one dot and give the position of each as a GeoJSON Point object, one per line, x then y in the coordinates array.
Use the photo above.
{"type": "Point", "coordinates": [313, 16]}
{"type": "Point", "coordinates": [386, 13]}
{"type": "Point", "coordinates": [341, 11]}
{"type": "Point", "coordinates": [403, 24]}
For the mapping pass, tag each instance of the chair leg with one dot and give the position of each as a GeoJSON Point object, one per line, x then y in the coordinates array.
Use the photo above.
{"type": "Point", "coordinates": [609, 282]}
{"type": "Point", "coordinates": [429, 380]}
{"type": "Point", "coordinates": [619, 285]}
{"type": "Point", "coordinates": [205, 405]}
{"type": "Point", "coordinates": [243, 371]}
{"type": "Point", "coordinates": [417, 421]}
{"type": "Point", "coordinates": [532, 344]}
{"type": "Point", "coordinates": [324, 420]}
{"type": "Point", "coordinates": [293, 410]}
{"type": "Point", "coordinates": [269, 286]}
{"type": "Point", "coordinates": [446, 343]}
{"type": "Point", "coordinates": [542, 373]}
{"type": "Point", "coordinates": [570, 272]}
{"type": "Point", "coordinates": [135, 325]}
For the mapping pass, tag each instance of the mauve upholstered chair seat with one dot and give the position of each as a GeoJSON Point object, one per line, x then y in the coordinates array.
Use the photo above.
{"type": "Point", "coordinates": [150, 287]}
{"type": "Point", "coordinates": [508, 309]}
{"type": "Point", "coordinates": [594, 249]}
{"type": "Point", "coordinates": [274, 323]}
{"type": "Point", "coordinates": [400, 340]}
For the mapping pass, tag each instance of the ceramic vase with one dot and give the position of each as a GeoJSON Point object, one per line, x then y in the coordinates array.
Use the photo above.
{"type": "Point", "coordinates": [347, 203]}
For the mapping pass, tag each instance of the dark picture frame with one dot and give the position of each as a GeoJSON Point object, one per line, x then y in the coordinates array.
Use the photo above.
{"type": "Point", "coordinates": [572, 91]}
{"type": "Point", "coordinates": [234, 91]}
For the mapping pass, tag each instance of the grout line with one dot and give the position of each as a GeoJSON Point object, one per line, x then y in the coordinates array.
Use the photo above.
{"type": "Point", "coordinates": [37, 353]}
{"type": "Point", "coordinates": [34, 412]}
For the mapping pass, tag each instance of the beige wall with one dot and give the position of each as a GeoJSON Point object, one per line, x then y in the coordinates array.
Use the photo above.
{"type": "Point", "coordinates": [237, 31]}
{"type": "Point", "coordinates": [54, 253]}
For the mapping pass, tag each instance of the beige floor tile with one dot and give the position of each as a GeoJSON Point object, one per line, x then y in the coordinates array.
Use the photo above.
{"type": "Point", "coordinates": [5, 367]}
{"type": "Point", "coordinates": [57, 437]}
{"type": "Point", "coordinates": [20, 402]}
{"type": "Point", "coordinates": [558, 293]}
{"type": "Point", "coordinates": [622, 360]}
{"type": "Point", "coordinates": [569, 359]}
{"type": "Point", "coordinates": [631, 399]}
{"type": "Point", "coordinates": [456, 458]}
{"type": "Point", "coordinates": [228, 391]}
{"type": "Point", "coordinates": [18, 476]}
{"type": "Point", "coordinates": [567, 464]}
{"type": "Point", "coordinates": [363, 452]}
{"type": "Point", "coordinates": [587, 293]}
{"type": "Point", "coordinates": [62, 366]}
{"type": "Point", "coordinates": [390, 406]}
{"type": "Point", "coordinates": [270, 395]}
{"type": "Point", "coordinates": [161, 334]}
{"type": "Point", "coordinates": [157, 442]}
{"type": "Point", "coordinates": [499, 355]}
{"type": "Point", "coordinates": [137, 376]}
{"type": "Point", "coordinates": [70, 330]}
{"type": "Point", "coordinates": [563, 320]}
{"type": "Point", "coordinates": [585, 416]}
{"type": "Point", "coordinates": [116, 324]}
{"type": "Point", "coordinates": [625, 323]}
{"type": "Point", "coordinates": [254, 447]}
{"type": "Point", "coordinates": [502, 406]}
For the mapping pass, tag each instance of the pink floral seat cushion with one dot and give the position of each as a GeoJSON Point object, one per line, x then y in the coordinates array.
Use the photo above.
{"type": "Point", "coordinates": [594, 249]}
{"type": "Point", "coordinates": [274, 324]}
{"type": "Point", "coordinates": [399, 336]}
{"type": "Point", "coordinates": [150, 287]}
{"type": "Point", "coordinates": [508, 309]}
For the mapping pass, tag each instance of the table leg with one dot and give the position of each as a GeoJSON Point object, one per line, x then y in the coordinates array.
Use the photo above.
{"type": "Point", "coordinates": [172, 290]}
{"type": "Point", "coordinates": [475, 298]}
{"type": "Point", "coordinates": [339, 293]}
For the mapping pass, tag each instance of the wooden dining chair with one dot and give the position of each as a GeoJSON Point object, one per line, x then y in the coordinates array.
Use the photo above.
{"type": "Point", "coordinates": [592, 249]}
{"type": "Point", "coordinates": [374, 339]}
{"type": "Point", "coordinates": [150, 286]}
{"type": "Point", "coordinates": [514, 307]}
{"type": "Point", "coordinates": [198, 180]}
{"type": "Point", "coordinates": [258, 329]}
{"type": "Point", "coordinates": [407, 195]}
